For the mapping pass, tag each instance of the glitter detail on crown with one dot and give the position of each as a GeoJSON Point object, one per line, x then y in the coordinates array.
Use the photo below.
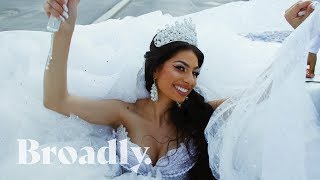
{"type": "Point", "coordinates": [184, 31]}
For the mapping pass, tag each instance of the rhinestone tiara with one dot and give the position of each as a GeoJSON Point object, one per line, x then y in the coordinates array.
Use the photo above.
{"type": "Point", "coordinates": [184, 31]}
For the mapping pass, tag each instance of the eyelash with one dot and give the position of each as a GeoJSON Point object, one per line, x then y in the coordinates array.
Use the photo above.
{"type": "Point", "coordinates": [181, 68]}
{"type": "Point", "coordinates": [196, 74]}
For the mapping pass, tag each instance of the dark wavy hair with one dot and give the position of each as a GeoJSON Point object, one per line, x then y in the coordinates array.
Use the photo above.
{"type": "Point", "coordinates": [192, 117]}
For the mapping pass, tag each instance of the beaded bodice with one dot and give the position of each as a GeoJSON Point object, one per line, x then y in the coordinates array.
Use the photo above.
{"type": "Point", "coordinates": [174, 165]}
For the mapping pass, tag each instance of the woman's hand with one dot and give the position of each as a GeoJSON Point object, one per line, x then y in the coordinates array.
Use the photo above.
{"type": "Point", "coordinates": [66, 12]}
{"type": "Point", "coordinates": [292, 14]}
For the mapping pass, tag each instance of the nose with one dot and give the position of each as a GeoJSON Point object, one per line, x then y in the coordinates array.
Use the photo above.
{"type": "Point", "coordinates": [190, 79]}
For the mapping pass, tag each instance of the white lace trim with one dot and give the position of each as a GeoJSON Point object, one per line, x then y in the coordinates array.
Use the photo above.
{"type": "Point", "coordinates": [120, 133]}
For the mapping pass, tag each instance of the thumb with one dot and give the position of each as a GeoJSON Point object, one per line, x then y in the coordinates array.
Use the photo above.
{"type": "Point", "coordinates": [73, 9]}
{"type": "Point", "coordinates": [309, 10]}
{"type": "Point", "coordinates": [72, 12]}
{"type": "Point", "coordinates": [72, 4]}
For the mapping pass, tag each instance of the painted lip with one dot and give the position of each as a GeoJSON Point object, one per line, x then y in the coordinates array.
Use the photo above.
{"type": "Point", "coordinates": [180, 92]}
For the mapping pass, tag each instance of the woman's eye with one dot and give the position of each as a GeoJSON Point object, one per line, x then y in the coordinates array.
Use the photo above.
{"type": "Point", "coordinates": [196, 74]}
{"type": "Point", "coordinates": [181, 68]}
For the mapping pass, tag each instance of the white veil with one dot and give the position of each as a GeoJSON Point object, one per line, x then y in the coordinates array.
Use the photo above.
{"type": "Point", "coordinates": [264, 132]}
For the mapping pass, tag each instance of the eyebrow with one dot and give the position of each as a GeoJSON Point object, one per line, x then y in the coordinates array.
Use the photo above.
{"type": "Point", "coordinates": [186, 64]}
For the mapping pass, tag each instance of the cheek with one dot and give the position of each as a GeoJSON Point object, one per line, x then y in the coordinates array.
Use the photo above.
{"type": "Point", "coordinates": [167, 77]}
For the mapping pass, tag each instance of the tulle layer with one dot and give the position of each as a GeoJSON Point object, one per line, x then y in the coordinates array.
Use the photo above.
{"type": "Point", "coordinates": [270, 130]}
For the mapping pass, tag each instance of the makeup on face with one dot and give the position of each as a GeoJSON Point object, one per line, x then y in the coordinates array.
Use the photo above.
{"type": "Point", "coordinates": [178, 75]}
{"type": "Point", "coordinates": [183, 66]}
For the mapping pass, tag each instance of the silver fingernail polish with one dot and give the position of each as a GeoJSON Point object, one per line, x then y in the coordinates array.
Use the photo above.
{"type": "Point", "coordinates": [301, 13]}
{"type": "Point", "coordinates": [65, 8]}
{"type": "Point", "coordinates": [65, 14]}
{"type": "Point", "coordinates": [62, 19]}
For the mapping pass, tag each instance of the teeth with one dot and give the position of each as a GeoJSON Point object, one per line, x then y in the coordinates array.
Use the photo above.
{"type": "Point", "coordinates": [181, 89]}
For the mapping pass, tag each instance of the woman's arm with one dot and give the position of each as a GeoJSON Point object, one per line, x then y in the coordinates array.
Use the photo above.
{"type": "Point", "coordinates": [56, 96]}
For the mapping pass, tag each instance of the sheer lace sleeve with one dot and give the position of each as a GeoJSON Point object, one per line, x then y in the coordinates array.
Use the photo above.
{"type": "Point", "coordinates": [261, 133]}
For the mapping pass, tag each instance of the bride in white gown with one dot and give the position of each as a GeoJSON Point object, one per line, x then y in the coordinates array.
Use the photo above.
{"type": "Point", "coordinates": [268, 131]}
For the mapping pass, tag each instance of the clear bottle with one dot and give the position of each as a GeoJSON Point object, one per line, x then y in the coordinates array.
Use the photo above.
{"type": "Point", "coordinates": [53, 24]}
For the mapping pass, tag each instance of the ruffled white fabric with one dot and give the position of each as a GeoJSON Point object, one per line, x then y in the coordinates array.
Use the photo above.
{"type": "Point", "coordinates": [315, 45]}
{"type": "Point", "coordinates": [269, 131]}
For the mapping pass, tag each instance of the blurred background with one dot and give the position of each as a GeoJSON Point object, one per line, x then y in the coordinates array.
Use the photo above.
{"type": "Point", "coordinates": [29, 15]}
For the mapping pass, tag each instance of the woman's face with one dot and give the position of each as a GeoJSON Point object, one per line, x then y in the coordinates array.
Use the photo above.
{"type": "Point", "coordinates": [178, 76]}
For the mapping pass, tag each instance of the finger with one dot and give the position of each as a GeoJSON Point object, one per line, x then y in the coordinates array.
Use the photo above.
{"type": "Point", "coordinates": [297, 7]}
{"type": "Point", "coordinates": [56, 6]}
{"type": "Point", "coordinates": [60, 2]}
{"type": "Point", "coordinates": [73, 3]}
{"type": "Point", "coordinates": [55, 13]}
{"type": "Point", "coordinates": [309, 10]}
{"type": "Point", "coordinates": [301, 5]}
{"type": "Point", "coordinates": [46, 8]}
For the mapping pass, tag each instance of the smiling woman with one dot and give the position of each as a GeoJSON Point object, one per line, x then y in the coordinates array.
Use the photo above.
{"type": "Point", "coordinates": [176, 114]}
{"type": "Point", "coordinates": [174, 68]}
{"type": "Point", "coordinates": [182, 72]}
{"type": "Point", "coordinates": [179, 67]}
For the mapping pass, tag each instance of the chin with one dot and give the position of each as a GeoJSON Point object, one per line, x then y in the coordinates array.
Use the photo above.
{"type": "Point", "coordinates": [179, 99]}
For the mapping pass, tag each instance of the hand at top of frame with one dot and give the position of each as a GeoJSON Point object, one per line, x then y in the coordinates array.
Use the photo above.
{"type": "Point", "coordinates": [298, 12]}
{"type": "Point", "coordinates": [65, 11]}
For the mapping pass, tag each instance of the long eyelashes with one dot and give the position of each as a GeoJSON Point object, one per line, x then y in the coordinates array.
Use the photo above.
{"type": "Point", "coordinates": [196, 74]}
{"type": "Point", "coordinates": [183, 69]}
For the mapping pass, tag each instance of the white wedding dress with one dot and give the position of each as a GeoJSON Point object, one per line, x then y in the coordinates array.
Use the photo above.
{"type": "Point", "coordinates": [268, 129]}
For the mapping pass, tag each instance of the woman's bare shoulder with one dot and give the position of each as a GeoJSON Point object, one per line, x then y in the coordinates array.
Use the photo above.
{"type": "Point", "coordinates": [133, 112]}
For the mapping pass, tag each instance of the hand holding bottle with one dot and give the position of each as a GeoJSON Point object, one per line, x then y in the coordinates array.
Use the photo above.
{"type": "Point", "coordinates": [65, 11]}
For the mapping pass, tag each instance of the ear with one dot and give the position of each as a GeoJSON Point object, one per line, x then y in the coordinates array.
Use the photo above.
{"type": "Point", "coordinates": [155, 74]}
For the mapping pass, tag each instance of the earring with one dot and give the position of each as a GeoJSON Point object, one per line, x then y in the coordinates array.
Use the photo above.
{"type": "Point", "coordinates": [154, 92]}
